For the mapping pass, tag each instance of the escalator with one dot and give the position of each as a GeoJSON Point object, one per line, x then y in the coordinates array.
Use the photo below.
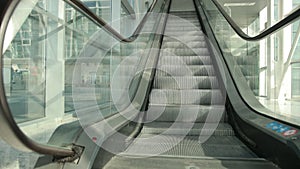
{"type": "Point", "coordinates": [169, 95]}
{"type": "Point", "coordinates": [187, 80]}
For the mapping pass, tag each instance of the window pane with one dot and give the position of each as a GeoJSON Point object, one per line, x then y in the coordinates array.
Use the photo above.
{"type": "Point", "coordinates": [296, 80]}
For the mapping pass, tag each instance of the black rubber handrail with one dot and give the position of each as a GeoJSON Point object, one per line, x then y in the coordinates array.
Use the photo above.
{"type": "Point", "coordinates": [101, 22]}
{"type": "Point", "coordinates": [295, 14]}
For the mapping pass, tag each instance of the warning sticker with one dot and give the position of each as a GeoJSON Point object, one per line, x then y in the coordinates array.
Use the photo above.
{"type": "Point", "coordinates": [279, 128]}
{"type": "Point", "coordinates": [282, 129]}
{"type": "Point", "coordinates": [273, 125]}
{"type": "Point", "coordinates": [290, 132]}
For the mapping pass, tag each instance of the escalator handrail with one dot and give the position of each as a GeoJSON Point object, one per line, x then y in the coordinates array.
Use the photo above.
{"type": "Point", "coordinates": [11, 131]}
{"type": "Point", "coordinates": [290, 18]}
{"type": "Point", "coordinates": [103, 24]}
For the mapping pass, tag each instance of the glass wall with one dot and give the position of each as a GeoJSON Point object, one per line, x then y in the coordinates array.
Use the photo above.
{"type": "Point", "coordinates": [27, 51]}
{"type": "Point", "coordinates": [270, 67]}
{"type": "Point", "coordinates": [77, 33]}
{"type": "Point", "coordinates": [279, 54]}
{"type": "Point", "coordinates": [296, 59]}
{"type": "Point", "coordinates": [24, 67]}
{"type": "Point", "coordinates": [80, 31]}
{"type": "Point", "coordinates": [58, 64]}
{"type": "Point", "coordinates": [296, 81]}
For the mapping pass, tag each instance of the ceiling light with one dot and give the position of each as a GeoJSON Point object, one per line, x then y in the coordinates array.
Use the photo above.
{"type": "Point", "coordinates": [240, 4]}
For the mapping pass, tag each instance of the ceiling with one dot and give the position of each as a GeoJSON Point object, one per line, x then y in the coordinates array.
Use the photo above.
{"type": "Point", "coordinates": [244, 15]}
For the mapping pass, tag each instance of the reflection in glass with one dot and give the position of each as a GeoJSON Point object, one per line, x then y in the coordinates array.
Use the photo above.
{"type": "Point", "coordinates": [269, 66]}
{"type": "Point", "coordinates": [24, 70]}
{"type": "Point", "coordinates": [56, 63]}
{"type": "Point", "coordinates": [296, 81]}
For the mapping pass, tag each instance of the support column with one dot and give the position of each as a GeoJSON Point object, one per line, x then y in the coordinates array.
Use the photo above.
{"type": "Point", "coordinates": [284, 77]}
{"type": "Point", "coordinates": [116, 14]}
{"type": "Point", "coordinates": [270, 53]}
{"type": "Point", "coordinates": [55, 66]}
{"type": "Point", "coordinates": [263, 55]}
{"type": "Point", "coordinates": [278, 63]}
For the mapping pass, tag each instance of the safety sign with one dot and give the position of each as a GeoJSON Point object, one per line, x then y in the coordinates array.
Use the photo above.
{"type": "Point", "coordinates": [290, 132]}
{"type": "Point", "coordinates": [282, 129]}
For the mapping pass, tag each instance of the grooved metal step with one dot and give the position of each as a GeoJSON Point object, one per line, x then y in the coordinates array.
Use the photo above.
{"type": "Point", "coordinates": [182, 97]}
{"type": "Point", "coordinates": [184, 45]}
{"type": "Point", "coordinates": [161, 161]}
{"type": "Point", "coordinates": [177, 145]}
{"type": "Point", "coordinates": [186, 51]}
{"type": "Point", "coordinates": [183, 23]}
{"type": "Point", "coordinates": [189, 18]}
{"type": "Point", "coordinates": [183, 28]}
{"type": "Point", "coordinates": [187, 82]}
{"type": "Point", "coordinates": [187, 33]}
{"type": "Point", "coordinates": [186, 113]}
{"type": "Point", "coordinates": [182, 60]}
{"type": "Point", "coordinates": [185, 70]}
{"type": "Point", "coordinates": [184, 39]}
{"type": "Point", "coordinates": [188, 129]}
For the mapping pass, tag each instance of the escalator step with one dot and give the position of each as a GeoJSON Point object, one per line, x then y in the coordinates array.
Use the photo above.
{"type": "Point", "coordinates": [180, 97]}
{"type": "Point", "coordinates": [186, 113]}
{"type": "Point", "coordinates": [184, 39]}
{"type": "Point", "coordinates": [185, 28]}
{"type": "Point", "coordinates": [186, 51]}
{"type": "Point", "coordinates": [134, 162]}
{"type": "Point", "coordinates": [185, 70]}
{"type": "Point", "coordinates": [183, 33]}
{"type": "Point", "coordinates": [178, 146]}
{"type": "Point", "coordinates": [188, 60]}
{"type": "Point", "coordinates": [182, 21]}
{"type": "Point", "coordinates": [188, 129]}
{"type": "Point", "coordinates": [184, 45]}
{"type": "Point", "coordinates": [186, 82]}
